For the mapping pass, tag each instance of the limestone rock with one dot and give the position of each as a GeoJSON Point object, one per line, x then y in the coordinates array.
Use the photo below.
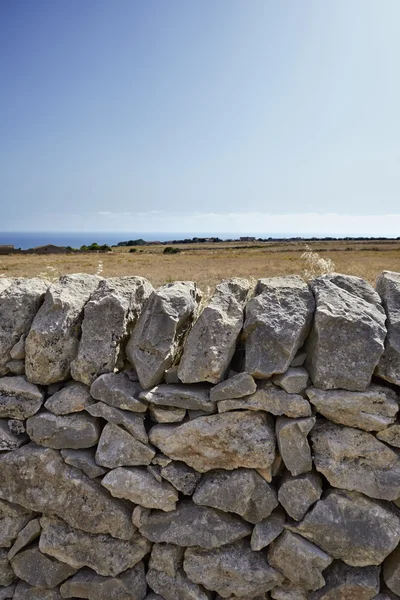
{"type": "Point", "coordinates": [140, 487]}
{"type": "Point", "coordinates": [9, 441]}
{"type": "Point", "coordinates": [276, 325]}
{"type": "Point", "coordinates": [346, 340]}
{"type": "Point", "coordinates": [102, 553]}
{"type": "Point", "coordinates": [109, 317]}
{"type": "Point", "coordinates": [129, 585]}
{"type": "Point", "coordinates": [390, 435]}
{"type": "Point", "coordinates": [117, 390]}
{"type": "Point", "coordinates": [5, 283]}
{"type": "Point", "coordinates": [40, 570]}
{"type": "Point", "coordinates": [166, 558]}
{"type": "Point", "coordinates": [195, 397]}
{"type": "Point", "coordinates": [191, 525]}
{"type": "Point", "coordinates": [293, 444]}
{"type": "Point", "coordinates": [16, 367]}
{"type": "Point", "coordinates": [233, 569]}
{"type": "Point", "coordinates": [38, 479]}
{"type": "Point", "coordinates": [85, 460]}
{"type": "Point", "coordinates": [297, 494]}
{"type": "Point", "coordinates": [17, 352]}
{"type": "Point", "coordinates": [238, 386]}
{"type": "Point", "coordinates": [7, 575]}
{"type": "Point", "coordinates": [19, 303]}
{"type": "Point", "coordinates": [299, 560]}
{"type": "Point", "coordinates": [19, 399]}
{"type": "Point", "coordinates": [241, 491]}
{"type": "Point", "coordinates": [227, 441]}
{"type": "Point", "coordinates": [132, 422]}
{"type": "Point", "coordinates": [75, 397]}
{"type": "Point", "coordinates": [166, 414]}
{"type": "Point", "coordinates": [352, 459]}
{"type": "Point", "coordinates": [356, 286]}
{"type": "Point", "coordinates": [344, 582]}
{"type": "Point", "coordinates": [388, 286]}
{"type": "Point", "coordinates": [267, 530]}
{"type": "Point", "coordinates": [340, 524]}
{"type": "Point", "coordinates": [288, 591]}
{"type": "Point", "coordinates": [12, 519]}
{"type": "Point", "coordinates": [372, 410]}
{"type": "Point", "coordinates": [24, 591]}
{"type": "Point", "coordinates": [157, 339]}
{"type": "Point", "coordinates": [118, 448]}
{"type": "Point", "coordinates": [171, 375]}
{"type": "Point", "coordinates": [175, 588]}
{"type": "Point", "coordinates": [391, 571]}
{"type": "Point", "coordinates": [69, 431]}
{"type": "Point", "coordinates": [293, 381]}
{"type": "Point", "coordinates": [211, 343]}
{"type": "Point", "coordinates": [182, 477]}
{"type": "Point", "coordinates": [28, 534]}
{"type": "Point", "coordinates": [7, 593]}
{"type": "Point", "coordinates": [53, 340]}
{"type": "Point", "coordinates": [299, 359]}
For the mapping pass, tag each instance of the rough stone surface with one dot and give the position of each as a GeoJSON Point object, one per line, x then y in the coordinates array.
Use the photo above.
{"type": "Point", "coordinates": [297, 494]}
{"type": "Point", "coordinates": [237, 386]}
{"type": "Point", "coordinates": [129, 585]}
{"type": "Point", "coordinates": [156, 342]}
{"type": "Point", "coordinates": [166, 558]}
{"type": "Point", "coordinates": [68, 431]}
{"type": "Point", "coordinates": [347, 337]}
{"type": "Point", "coordinates": [388, 286]}
{"type": "Point", "coordinates": [7, 575]}
{"type": "Point", "coordinates": [293, 381]}
{"type": "Point", "coordinates": [109, 317]}
{"type": "Point", "coordinates": [53, 340]}
{"type": "Point", "coordinates": [391, 435]}
{"type": "Point", "coordinates": [117, 390]}
{"type": "Point", "coordinates": [288, 591]}
{"type": "Point", "coordinates": [211, 343]}
{"type": "Point", "coordinates": [75, 397]}
{"type": "Point", "coordinates": [267, 530]}
{"type": "Point", "coordinates": [12, 519]}
{"type": "Point", "coordinates": [16, 367]}
{"type": "Point", "coordinates": [9, 441]}
{"type": "Point", "coordinates": [241, 491]}
{"type": "Point", "coordinates": [293, 444]}
{"type": "Point", "coordinates": [130, 421]}
{"type": "Point", "coordinates": [19, 399]}
{"type": "Point", "coordinates": [277, 323]}
{"type": "Point", "coordinates": [182, 477]}
{"type": "Point", "coordinates": [195, 397]}
{"type": "Point", "coordinates": [28, 534]}
{"type": "Point", "coordinates": [175, 588]}
{"type": "Point", "coordinates": [84, 460]}
{"type": "Point", "coordinates": [40, 570]}
{"type": "Point", "coordinates": [24, 591]}
{"type": "Point", "coordinates": [344, 583]}
{"type": "Point", "coordinates": [7, 593]}
{"type": "Point", "coordinates": [166, 414]}
{"type": "Point", "coordinates": [391, 571]}
{"type": "Point", "coordinates": [227, 441]}
{"type": "Point", "coordinates": [118, 448]}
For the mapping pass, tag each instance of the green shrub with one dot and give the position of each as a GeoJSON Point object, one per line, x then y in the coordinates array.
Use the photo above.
{"type": "Point", "coordinates": [171, 250]}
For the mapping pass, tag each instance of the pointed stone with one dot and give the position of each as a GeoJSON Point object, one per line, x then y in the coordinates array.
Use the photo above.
{"type": "Point", "coordinates": [388, 286]}
{"type": "Point", "coordinates": [40, 570]}
{"type": "Point", "coordinates": [267, 530]}
{"type": "Point", "coordinates": [194, 397]}
{"type": "Point", "coordinates": [293, 381]}
{"type": "Point", "coordinates": [118, 448]}
{"type": "Point", "coordinates": [74, 397]}
{"type": "Point", "coordinates": [28, 534]}
{"type": "Point", "coordinates": [238, 386]}
{"type": "Point", "coordinates": [78, 430]}
{"type": "Point", "coordinates": [129, 585]}
{"type": "Point", "coordinates": [132, 422]}
{"type": "Point", "coordinates": [12, 519]}
{"type": "Point", "coordinates": [117, 390]}
{"type": "Point", "coordinates": [178, 587]}
{"type": "Point", "coordinates": [297, 494]}
{"type": "Point", "coordinates": [84, 460]}
{"type": "Point", "coordinates": [293, 444]}
{"type": "Point", "coordinates": [166, 558]}
{"type": "Point", "coordinates": [19, 399]}
{"type": "Point", "coordinates": [344, 582]}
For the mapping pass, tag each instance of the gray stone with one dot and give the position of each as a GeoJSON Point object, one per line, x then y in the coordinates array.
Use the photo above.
{"type": "Point", "coordinates": [140, 516]}
{"type": "Point", "coordinates": [297, 494]}
{"type": "Point", "coordinates": [9, 441]}
{"type": "Point", "coordinates": [155, 471]}
{"type": "Point", "coordinates": [195, 397]}
{"type": "Point", "coordinates": [372, 410]}
{"type": "Point", "coordinates": [227, 441]}
{"type": "Point", "coordinates": [38, 479]}
{"type": "Point", "coordinates": [346, 340]}
{"type": "Point", "coordinates": [288, 591]}
{"type": "Point", "coordinates": [272, 399]}
{"type": "Point", "coordinates": [102, 553]}
{"type": "Point", "coordinates": [166, 414]}
{"type": "Point", "coordinates": [19, 399]}
{"type": "Point", "coordinates": [391, 571]}
{"type": "Point", "coordinates": [211, 343]}
{"type": "Point", "coordinates": [24, 591]}
{"type": "Point", "coordinates": [157, 339]}
{"type": "Point", "coordinates": [238, 386]}
{"type": "Point", "coordinates": [117, 390]}
{"type": "Point", "coordinates": [166, 558]}
{"type": "Point", "coordinates": [132, 422]}
{"type": "Point", "coordinates": [293, 444]}
{"type": "Point", "coordinates": [7, 593]}
{"type": "Point", "coordinates": [299, 560]}
{"type": "Point", "coordinates": [53, 340]}
{"type": "Point", "coordinates": [16, 367]}
{"type": "Point", "coordinates": [293, 381]}
{"type": "Point", "coordinates": [356, 286]}
{"type": "Point", "coordinates": [74, 397]}
{"type": "Point", "coordinates": [391, 435]}
{"type": "Point", "coordinates": [28, 534]}
{"type": "Point", "coordinates": [161, 459]}
{"type": "Point", "coordinates": [388, 286]}
{"type": "Point", "coordinates": [233, 569]}
{"type": "Point", "coordinates": [299, 359]}
{"type": "Point", "coordinates": [175, 588]}
{"type": "Point", "coordinates": [277, 323]}
{"type": "Point", "coordinates": [7, 575]}
{"type": "Point", "coordinates": [40, 570]}
{"type": "Point", "coordinates": [344, 582]}
{"type": "Point", "coordinates": [352, 459]}
{"type": "Point", "coordinates": [182, 477]}
{"type": "Point", "coordinates": [352, 527]}
{"type": "Point", "coordinates": [241, 491]}
{"type": "Point", "coordinates": [118, 448]}
{"type": "Point", "coordinates": [192, 525]}
{"type": "Point", "coordinates": [140, 487]}
{"type": "Point", "coordinates": [129, 585]}
{"type": "Point", "coordinates": [267, 530]}
{"type": "Point", "coordinates": [109, 317]}
{"type": "Point", "coordinates": [68, 431]}
{"type": "Point", "coordinates": [17, 352]}
{"type": "Point", "coordinates": [19, 303]}
{"type": "Point", "coordinates": [84, 460]}
{"type": "Point", "coordinates": [171, 375]}
{"type": "Point", "coordinates": [16, 427]}
{"type": "Point", "coordinates": [12, 519]}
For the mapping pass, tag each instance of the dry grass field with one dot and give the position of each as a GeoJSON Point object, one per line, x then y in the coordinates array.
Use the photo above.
{"type": "Point", "coordinates": [209, 263]}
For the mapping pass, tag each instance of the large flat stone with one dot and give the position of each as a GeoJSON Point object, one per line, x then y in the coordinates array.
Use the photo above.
{"type": "Point", "coordinates": [74, 397]}
{"type": "Point", "coordinates": [119, 391]}
{"type": "Point", "coordinates": [40, 570]}
{"type": "Point", "coordinates": [129, 585]}
{"type": "Point", "coordinates": [78, 430]}
{"type": "Point", "coordinates": [132, 422]}
{"type": "Point", "coordinates": [194, 397]}
{"type": "Point", "coordinates": [118, 448]}
{"type": "Point", "coordinates": [388, 286]}
{"type": "Point", "coordinates": [19, 398]}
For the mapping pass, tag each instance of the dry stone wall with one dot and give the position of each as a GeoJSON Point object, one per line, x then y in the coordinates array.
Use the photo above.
{"type": "Point", "coordinates": [154, 446]}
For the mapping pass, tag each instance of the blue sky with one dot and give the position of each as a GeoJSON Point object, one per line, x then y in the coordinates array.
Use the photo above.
{"type": "Point", "coordinates": [200, 115]}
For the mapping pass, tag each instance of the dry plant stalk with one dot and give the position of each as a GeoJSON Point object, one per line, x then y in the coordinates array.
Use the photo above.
{"type": "Point", "coordinates": [315, 264]}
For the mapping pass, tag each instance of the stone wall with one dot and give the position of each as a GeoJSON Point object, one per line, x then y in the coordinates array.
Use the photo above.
{"type": "Point", "coordinates": [155, 445]}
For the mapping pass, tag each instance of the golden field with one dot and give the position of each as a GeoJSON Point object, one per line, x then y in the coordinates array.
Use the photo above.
{"type": "Point", "coordinates": [207, 264]}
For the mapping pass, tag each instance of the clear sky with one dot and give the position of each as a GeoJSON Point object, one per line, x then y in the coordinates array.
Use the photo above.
{"type": "Point", "coordinates": [200, 115]}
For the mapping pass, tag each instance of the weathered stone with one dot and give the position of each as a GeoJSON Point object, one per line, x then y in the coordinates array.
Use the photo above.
{"type": "Point", "coordinates": [372, 410]}
{"type": "Point", "coordinates": [276, 325]}
{"type": "Point", "coordinates": [53, 340]}
{"type": "Point", "coordinates": [352, 459]}
{"type": "Point", "coordinates": [68, 431]}
{"type": "Point", "coordinates": [356, 286]}
{"type": "Point", "coordinates": [391, 435]}
{"type": "Point", "coordinates": [233, 569]}
{"type": "Point", "coordinates": [166, 558]}
{"type": "Point", "coordinates": [299, 359]}
{"type": "Point", "coordinates": [155, 471]}
{"type": "Point", "coordinates": [171, 375]}
{"type": "Point", "coordinates": [388, 286]}
{"type": "Point", "coordinates": [24, 591]}
{"type": "Point", "coordinates": [17, 352]}
{"type": "Point", "coordinates": [227, 441]}
{"type": "Point", "coordinates": [182, 477]}
{"type": "Point", "coordinates": [293, 444]}
{"type": "Point", "coordinates": [140, 487]}
{"type": "Point", "coordinates": [117, 390]}
{"type": "Point", "coordinates": [38, 479]}
{"type": "Point", "coordinates": [12, 519]}
{"type": "Point", "coordinates": [7, 593]}
{"type": "Point", "coordinates": [192, 525]}
{"type": "Point", "coordinates": [102, 553]}
{"type": "Point", "coordinates": [346, 340]}
{"type": "Point", "coordinates": [288, 591]}
{"type": "Point", "coordinates": [211, 343]}
{"type": "Point", "coordinates": [140, 516]}
{"type": "Point", "coordinates": [129, 585]}
{"type": "Point", "coordinates": [267, 530]}
{"type": "Point", "coordinates": [297, 494]}
{"type": "Point", "coordinates": [9, 441]}
{"type": "Point", "coordinates": [19, 303]}
{"type": "Point", "coordinates": [161, 459]}
{"type": "Point", "coordinates": [5, 283]}
{"type": "Point", "coordinates": [16, 367]}
{"type": "Point", "coordinates": [344, 582]}
{"type": "Point", "coordinates": [157, 339]}
{"type": "Point", "coordinates": [299, 560]}
{"type": "Point", "coordinates": [195, 397]}
{"type": "Point", "coordinates": [272, 399]}
{"type": "Point", "coordinates": [238, 386]}
{"type": "Point", "coordinates": [175, 588]}
{"type": "Point", "coordinates": [391, 571]}
{"type": "Point", "coordinates": [75, 397]}
{"type": "Point", "coordinates": [28, 534]}
{"type": "Point", "coordinates": [84, 460]}
{"type": "Point", "coordinates": [7, 575]}
{"type": "Point", "coordinates": [19, 399]}
{"type": "Point", "coordinates": [109, 317]}
{"type": "Point", "coordinates": [132, 422]}
{"type": "Point", "coordinates": [293, 381]}
{"type": "Point", "coordinates": [16, 427]}
{"type": "Point", "coordinates": [351, 527]}
{"type": "Point", "coordinates": [40, 570]}
{"type": "Point", "coordinates": [118, 448]}
{"type": "Point", "coordinates": [166, 414]}
{"type": "Point", "coordinates": [241, 491]}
